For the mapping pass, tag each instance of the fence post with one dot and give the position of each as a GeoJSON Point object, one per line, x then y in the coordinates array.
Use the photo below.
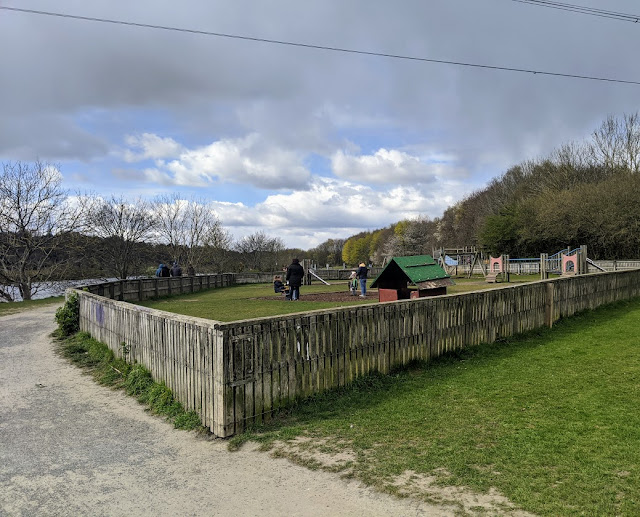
{"type": "Point", "coordinates": [544, 273]}
{"type": "Point", "coordinates": [549, 305]}
{"type": "Point", "coordinates": [140, 291]}
{"type": "Point", "coordinates": [582, 260]}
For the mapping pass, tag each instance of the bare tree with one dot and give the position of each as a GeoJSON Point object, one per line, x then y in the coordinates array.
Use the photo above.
{"type": "Point", "coordinates": [123, 225]}
{"type": "Point", "coordinates": [190, 228]}
{"type": "Point", "coordinates": [259, 250]}
{"type": "Point", "coordinates": [616, 143]}
{"type": "Point", "coordinates": [36, 214]}
{"type": "Point", "coordinates": [631, 141]}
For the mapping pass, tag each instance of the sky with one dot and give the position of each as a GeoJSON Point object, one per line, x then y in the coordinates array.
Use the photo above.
{"type": "Point", "coordinates": [302, 143]}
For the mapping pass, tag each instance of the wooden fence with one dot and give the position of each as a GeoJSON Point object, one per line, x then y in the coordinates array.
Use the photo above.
{"type": "Point", "coordinates": [138, 289]}
{"type": "Point", "coordinates": [251, 368]}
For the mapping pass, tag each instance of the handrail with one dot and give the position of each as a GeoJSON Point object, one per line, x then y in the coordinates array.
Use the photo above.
{"type": "Point", "coordinates": [531, 259]}
{"type": "Point", "coordinates": [557, 255]}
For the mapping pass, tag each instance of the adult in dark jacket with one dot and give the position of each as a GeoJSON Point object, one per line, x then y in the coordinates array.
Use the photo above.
{"type": "Point", "coordinates": [362, 273]}
{"type": "Point", "coordinates": [162, 270]}
{"type": "Point", "coordinates": [176, 270]}
{"type": "Point", "coordinates": [295, 274]}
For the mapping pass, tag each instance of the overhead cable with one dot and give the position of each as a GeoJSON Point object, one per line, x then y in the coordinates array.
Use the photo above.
{"type": "Point", "coordinates": [592, 11]}
{"type": "Point", "coordinates": [319, 47]}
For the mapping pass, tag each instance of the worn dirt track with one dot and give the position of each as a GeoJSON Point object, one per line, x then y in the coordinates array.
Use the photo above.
{"type": "Point", "coordinates": [71, 447]}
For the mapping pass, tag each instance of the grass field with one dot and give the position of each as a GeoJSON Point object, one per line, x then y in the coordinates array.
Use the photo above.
{"type": "Point", "coordinates": [13, 307]}
{"type": "Point", "coordinates": [246, 301]}
{"type": "Point", "coordinates": [550, 419]}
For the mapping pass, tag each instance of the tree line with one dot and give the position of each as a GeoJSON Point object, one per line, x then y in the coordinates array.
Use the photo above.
{"type": "Point", "coordinates": [49, 234]}
{"type": "Point", "coordinates": [582, 193]}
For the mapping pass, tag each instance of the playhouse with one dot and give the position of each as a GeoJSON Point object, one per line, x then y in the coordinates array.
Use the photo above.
{"type": "Point", "coordinates": [420, 271]}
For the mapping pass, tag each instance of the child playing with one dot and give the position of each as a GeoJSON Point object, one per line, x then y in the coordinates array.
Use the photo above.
{"type": "Point", "coordinates": [353, 283]}
{"type": "Point", "coordinates": [278, 286]}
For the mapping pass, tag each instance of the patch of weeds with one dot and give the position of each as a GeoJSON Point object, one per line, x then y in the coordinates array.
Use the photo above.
{"type": "Point", "coordinates": [187, 420]}
{"type": "Point", "coordinates": [81, 349]}
{"type": "Point", "coordinates": [138, 382]}
{"type": "Point", "coordinates": [68, 316]}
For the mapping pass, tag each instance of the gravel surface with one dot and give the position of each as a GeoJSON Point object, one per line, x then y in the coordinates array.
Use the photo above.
{"type": "Point", "coordinates": [71, 447]}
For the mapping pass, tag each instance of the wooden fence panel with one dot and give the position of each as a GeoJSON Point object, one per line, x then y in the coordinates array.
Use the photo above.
{"type": "Point", "coordinates": [177, 350]}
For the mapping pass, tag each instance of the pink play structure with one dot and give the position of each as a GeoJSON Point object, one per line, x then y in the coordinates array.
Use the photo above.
{"type": "Point", "coordinates": [570, 264]}
{"type": "Point", "coordinates": [496, 265]}
{"type": "Point", "coordinates": [498, 269]}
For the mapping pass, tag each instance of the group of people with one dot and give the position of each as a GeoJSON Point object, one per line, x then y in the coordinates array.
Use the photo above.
{"type": "Point", "coordinates": [294, 276]}
{"type": "Point", "coordinates": [175, 270]}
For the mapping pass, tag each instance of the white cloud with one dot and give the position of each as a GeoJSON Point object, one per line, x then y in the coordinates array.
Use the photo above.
{"type": "Point", "coordinates": [385, 166]}
{"type": "Point", "coordinates": [150, 146]}
{"type": "Point", "coordinates": [248, 160]}
{"type": "Point", "coordinates": [333, 209]}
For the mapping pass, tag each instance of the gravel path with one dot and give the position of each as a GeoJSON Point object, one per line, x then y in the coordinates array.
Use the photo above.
{"type": "Point", "coordinates": [71, 447]}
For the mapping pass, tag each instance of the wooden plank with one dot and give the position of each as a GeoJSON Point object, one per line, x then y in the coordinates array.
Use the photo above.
{"type": "Point", "coordinates": [340, 348]}
{"type": "Point", "coordinates": [266, 366]}
{"type": "Point", "coordinates": [286, 362]}
{"type": "Point", "coordinates": [248, 375]}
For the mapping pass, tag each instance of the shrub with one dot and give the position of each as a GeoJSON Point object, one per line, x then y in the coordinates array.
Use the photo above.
{"type": "Point", "coordinates": [68, 316]}
{"type": "Point", "coordinates": [138, 381]}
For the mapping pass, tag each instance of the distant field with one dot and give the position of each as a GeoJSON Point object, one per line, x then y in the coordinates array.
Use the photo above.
{"type": "Point", "coordinates": [248, 301]}
{"type": "Point", "coordinates": [13, 307]}
{"type": "Point", "coordinates": [551, 420]}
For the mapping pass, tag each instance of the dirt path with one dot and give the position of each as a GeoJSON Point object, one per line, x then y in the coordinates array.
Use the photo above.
{"type": "Point", "coordinates": [71, 447]}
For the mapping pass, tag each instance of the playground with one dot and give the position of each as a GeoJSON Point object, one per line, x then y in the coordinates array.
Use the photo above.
{"type": "Point", "coordinates": [259, 300]}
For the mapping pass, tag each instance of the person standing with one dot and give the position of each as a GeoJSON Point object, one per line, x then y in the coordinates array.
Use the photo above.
{"type": "Point", "coordinates": [176, 270]}
{"type": "Point", "coordinates": [295, 274]}
{"type": "Point", "coordinates": [162, 271]}
{"type": "Point", "coordinates": [362, 275]}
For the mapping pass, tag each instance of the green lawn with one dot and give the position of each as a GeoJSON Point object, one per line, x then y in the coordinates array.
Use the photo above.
{"type": "Point", "coordinates": [550, 419]}
{"type": "Point", "coordinates": [245, 301]}
{"type": "Point", "coordinates": [13, 307]}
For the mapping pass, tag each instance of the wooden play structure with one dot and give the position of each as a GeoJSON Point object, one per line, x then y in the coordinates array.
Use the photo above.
{"type": "Point", "coordinates": [450, 259]}
{"type": "Point", "coordinates": [420, 271]}
{"type": "Point", "coordinates": [566, 263]}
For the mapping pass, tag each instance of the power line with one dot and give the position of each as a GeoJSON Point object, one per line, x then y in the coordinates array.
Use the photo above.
{"type": "Point", "coordinates": [592, 11]}
{"type": "Point", "coordinates": [320, 47]}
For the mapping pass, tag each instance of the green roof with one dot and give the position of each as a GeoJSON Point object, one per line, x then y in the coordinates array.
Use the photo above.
{"type": "Point", "coordinates": [417, 268]}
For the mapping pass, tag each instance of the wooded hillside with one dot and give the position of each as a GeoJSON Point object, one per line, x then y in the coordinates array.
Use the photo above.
{"type": "Point", "coordinates": [583, 193]}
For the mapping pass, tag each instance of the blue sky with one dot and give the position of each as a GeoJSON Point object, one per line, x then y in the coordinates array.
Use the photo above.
{"type": "Point", "coordinates": [304, 144]}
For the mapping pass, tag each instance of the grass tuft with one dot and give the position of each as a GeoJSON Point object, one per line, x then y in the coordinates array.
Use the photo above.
{"type": "Point", "coordinates": [108, 370]}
